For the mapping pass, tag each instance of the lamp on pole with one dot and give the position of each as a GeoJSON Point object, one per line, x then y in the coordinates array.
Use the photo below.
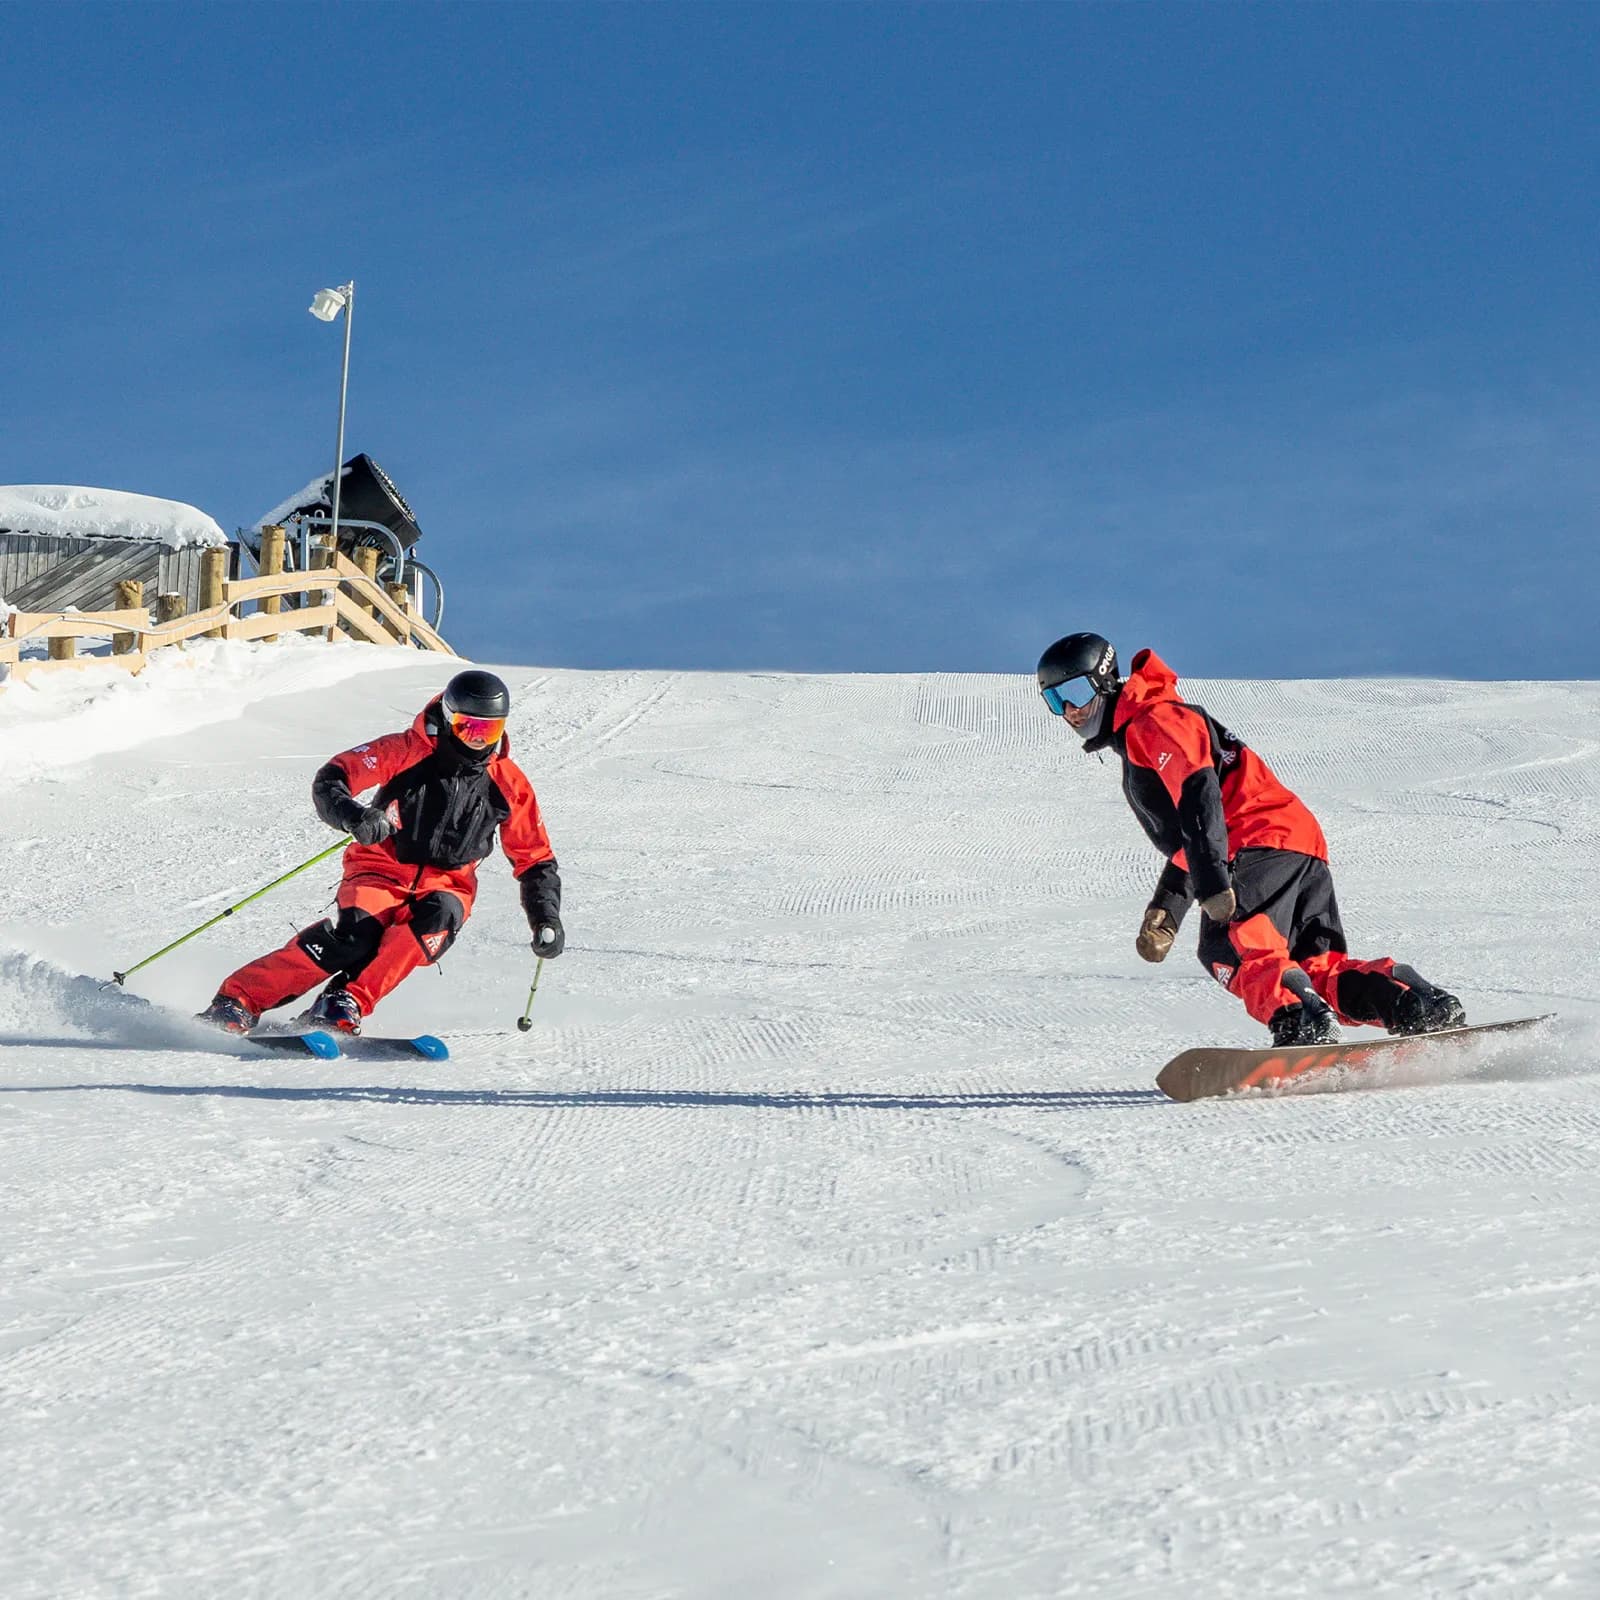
{"type": "Point", "coordinates": [325, 307]}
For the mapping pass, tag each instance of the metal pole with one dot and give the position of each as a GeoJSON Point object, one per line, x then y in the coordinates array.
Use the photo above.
{"type": "Point", "coordinates": [525, 1021]}
{"type": "Point", "coordinates": [321, 855]}
{"type": "Point", "coordinates": [348, 290]}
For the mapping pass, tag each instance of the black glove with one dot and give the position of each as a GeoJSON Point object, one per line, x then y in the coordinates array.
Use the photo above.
{"type": "Point", "coordinates": [1156, 934]}
{"type": "Point", "coordinates": [541, 905]}
{"type": "Point", "coordinates": [1220, 906]}
{"type": "Point", "coordinates": [368, 825]}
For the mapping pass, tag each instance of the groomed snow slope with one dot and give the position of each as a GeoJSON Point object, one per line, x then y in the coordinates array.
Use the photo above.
{"type": "Point", "coordinates": [826, 1237]}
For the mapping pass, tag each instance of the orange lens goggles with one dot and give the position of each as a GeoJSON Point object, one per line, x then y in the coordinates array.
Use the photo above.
{"type": "Point", "coordinates": [477, 731]}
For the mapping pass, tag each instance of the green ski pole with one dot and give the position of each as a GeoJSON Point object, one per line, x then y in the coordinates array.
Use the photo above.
{"type": "Point", "coordinates": [321, 855]}
{"type": "Point", "coordinates": [525, 1021]}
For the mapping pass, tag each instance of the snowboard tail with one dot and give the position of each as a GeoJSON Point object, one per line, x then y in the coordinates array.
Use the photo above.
{"type": "Point", "coordinates": [1204, 1073]}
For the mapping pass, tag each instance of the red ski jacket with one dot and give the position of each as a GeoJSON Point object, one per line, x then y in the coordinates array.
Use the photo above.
{"type": "Point", "coordinates": [446, 804]}
{"type": "Point", "coordinates": [1200, 794]}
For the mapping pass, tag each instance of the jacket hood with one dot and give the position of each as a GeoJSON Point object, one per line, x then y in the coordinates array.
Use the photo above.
{"type": "Point", "coordinates": [1150, 680]}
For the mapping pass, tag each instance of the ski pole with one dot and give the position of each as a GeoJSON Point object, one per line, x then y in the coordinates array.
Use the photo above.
{"type": "Point", "coordinates": [525, 1021]}
{"type": "Point", "coordinates": [321, 855]}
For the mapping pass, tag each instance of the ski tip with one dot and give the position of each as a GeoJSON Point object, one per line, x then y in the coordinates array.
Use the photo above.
{"type": "Point", "coordinates": [322, 1045]}
{"type": "Point", "coordinates": [385, 1047]}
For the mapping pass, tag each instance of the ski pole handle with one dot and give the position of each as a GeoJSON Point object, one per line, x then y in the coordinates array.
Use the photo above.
{"type": "Point", "coordinates": [321, 855]}
{"type": "Point", "coordinates": [525, 1021]}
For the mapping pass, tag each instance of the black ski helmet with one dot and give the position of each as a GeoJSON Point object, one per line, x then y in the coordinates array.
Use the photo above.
{"type": "Point", "coordinates": [1080, 655]}
{"type": "Point", "coordinates": [1091, 658]}
{"type": "Point", "coordinates": [476, 693]}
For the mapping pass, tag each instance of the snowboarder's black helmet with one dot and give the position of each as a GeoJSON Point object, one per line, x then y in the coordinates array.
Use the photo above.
{"type": "Point", "coordinates": [1079, 655]}
{"type": "Point", "coordinates": [476, 693]}
{"type": "Point", "coordinates": [1078, 679]}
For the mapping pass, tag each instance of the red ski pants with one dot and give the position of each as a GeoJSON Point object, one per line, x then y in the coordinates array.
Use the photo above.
{"type": "Point", "coordinates": [383, 934]}
{"type": "Point", "coordinates": [1288, 917]}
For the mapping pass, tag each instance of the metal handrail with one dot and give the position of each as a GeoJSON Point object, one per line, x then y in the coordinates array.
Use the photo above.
{"type": "Point", "coordinates": [350, 522]}
{"type": "Point", "coordinates": [437, 620]}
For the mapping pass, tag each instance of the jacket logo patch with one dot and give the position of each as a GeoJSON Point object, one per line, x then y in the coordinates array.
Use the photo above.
{"type": "Point", "coordinates": [1223, 973]}
{"type": "Point", "coordinates": [433, 943]}
{"type": "Point", "coordinates": [370, 761]}
{"type": "Point", "coordinates": [1162, 760]}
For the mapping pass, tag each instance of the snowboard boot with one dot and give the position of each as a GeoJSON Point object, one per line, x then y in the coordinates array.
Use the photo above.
{"type": "Point", "coordinates": [1310, 1022]}
{"type": "Point", "coordinates": [231, 1015]}
{"type": "Point", "coordinates": [335, 1009]}
{"type": "Point", "coordinates": [1369, 996]}
{"type": "Point", "coordinates": [1423, 1008]}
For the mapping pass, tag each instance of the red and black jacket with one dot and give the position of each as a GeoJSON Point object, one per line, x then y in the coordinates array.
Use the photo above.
{"type": "Point", "coordinates": [447, 803]}
{"type": "Point", "coordinates": [1200, 793]}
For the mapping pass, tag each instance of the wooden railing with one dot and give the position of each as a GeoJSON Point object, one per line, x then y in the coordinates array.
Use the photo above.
{"type": "Point", "coordinates": [337, 601]}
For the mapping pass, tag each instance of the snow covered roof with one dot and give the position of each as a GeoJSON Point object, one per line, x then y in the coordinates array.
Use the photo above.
{"type": "Point", "coordinates": [315, 493]}
{"type": "Point", "coordinates": [71, 512]}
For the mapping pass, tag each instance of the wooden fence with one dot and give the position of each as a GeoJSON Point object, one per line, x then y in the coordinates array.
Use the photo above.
{"type": "Point", "coordinates": [336, 600]}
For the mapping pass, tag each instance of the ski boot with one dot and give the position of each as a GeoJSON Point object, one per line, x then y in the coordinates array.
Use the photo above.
{"type": "Point", "coordinates": [231, 1015]}
{"type": "Point", "coordinates": [1310, 1022]}
{"type": "Point", "coordinates": [335, 1010]}
{"type": "Point", "coordinates": [1424, 1008]}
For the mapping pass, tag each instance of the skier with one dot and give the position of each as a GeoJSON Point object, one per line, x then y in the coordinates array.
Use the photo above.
{"type": "Point", "coordinates": [1241, 844]}
{"type": "Point", "coordinates": [444, 787]}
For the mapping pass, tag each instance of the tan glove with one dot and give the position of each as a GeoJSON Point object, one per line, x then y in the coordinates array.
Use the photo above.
{"type": "Point", "coordinates": [1156, 934]}
{"type": "Point", "coordinates": [1220, 906]}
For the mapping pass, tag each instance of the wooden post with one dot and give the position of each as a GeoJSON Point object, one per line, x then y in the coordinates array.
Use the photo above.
{"type": "Point", "coordinates": [130, 597]}
{"type": "Point", "coordinates": [169, 607]}
{"type": "Point", "coordinates": [322, 552]}
{"type": "Point", "coordinates": [367, 560]}
{"type": "Point", "coordinates": [61, 649]}
{"type": "Point", "coordinates": [213, 579]}
{"type": "Point", "coordinates": [401, 596]}
{"type": "Point", "coordinates": [272, 543]}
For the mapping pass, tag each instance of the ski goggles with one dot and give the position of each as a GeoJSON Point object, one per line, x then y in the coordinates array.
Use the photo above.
{"type": "Point", "coordinates": [1075, 692]}
{"type": "Point", "coordinates": [479, 732]}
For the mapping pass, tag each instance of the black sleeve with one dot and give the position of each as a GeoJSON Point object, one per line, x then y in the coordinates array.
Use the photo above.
{"type": "Point", "coordinates": [330, 794]}
{"type": "Point", "coordinates": [1205, 833]}
{"type": "Point", "coordinates": [541, 893]}
{"type": "Point", "coordinates": [1174, 894]}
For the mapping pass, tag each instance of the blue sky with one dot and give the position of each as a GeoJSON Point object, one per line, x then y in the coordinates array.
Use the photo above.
{"type": "Point", "coordinates": [849, 337]}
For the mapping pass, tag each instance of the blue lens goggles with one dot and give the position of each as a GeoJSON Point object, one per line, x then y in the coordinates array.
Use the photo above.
{"type": "Point", "coordinates": [1075, 692]}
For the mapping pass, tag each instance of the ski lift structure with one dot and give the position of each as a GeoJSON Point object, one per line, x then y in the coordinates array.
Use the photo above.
{"type": "Point", "coordinates": [373, 514]}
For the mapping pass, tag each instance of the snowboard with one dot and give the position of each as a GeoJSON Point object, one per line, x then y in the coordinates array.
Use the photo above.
{"type": "Point", "coordinates": [366, 1047]}
{"type": "Point", "coordinates": [1200, 1074]}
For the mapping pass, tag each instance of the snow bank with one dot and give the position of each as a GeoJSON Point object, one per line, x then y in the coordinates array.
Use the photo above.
{"type": "Point", "coordinates": [52, 720]}
{"type": "Point", "coordinates": [78, 513]}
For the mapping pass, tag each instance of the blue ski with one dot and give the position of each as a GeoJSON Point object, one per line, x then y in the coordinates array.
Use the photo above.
{"type": "Point", "coordinates": [372, 1047]}
{"type": "Point", "coordinates": [312, 1043]}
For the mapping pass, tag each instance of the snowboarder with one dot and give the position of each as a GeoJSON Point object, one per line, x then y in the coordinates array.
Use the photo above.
{"type": "Point", "coordinates": [444, 788]}
{"type": "Point", "coordinates": [1241, 844]}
